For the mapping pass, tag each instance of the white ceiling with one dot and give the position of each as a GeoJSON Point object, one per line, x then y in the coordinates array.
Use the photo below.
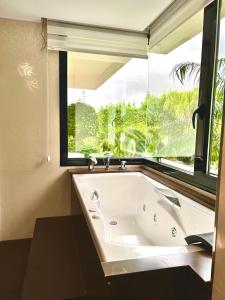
{"type": "Point", "coordinates": [127, 14]}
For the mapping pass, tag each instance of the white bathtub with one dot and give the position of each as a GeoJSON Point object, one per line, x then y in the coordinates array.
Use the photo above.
{"type": "Point", "coordinates": [129, 217]}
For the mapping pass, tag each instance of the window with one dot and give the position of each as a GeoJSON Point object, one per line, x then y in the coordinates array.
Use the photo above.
{"type": "Point", "coordinates": [142, 109]}
{"type": "Point", "coordinates": [106, 111]}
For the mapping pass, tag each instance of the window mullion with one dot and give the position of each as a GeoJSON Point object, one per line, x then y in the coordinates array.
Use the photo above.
{"type": "Point", "coordinates": [63, 107]}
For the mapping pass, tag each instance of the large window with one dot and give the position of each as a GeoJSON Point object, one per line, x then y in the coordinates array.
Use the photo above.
{"type": "Point", "coordinates": [156, 111]}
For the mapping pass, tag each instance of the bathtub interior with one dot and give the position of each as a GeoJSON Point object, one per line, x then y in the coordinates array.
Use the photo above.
{"type": "Point", "coordinates": [134, 217]}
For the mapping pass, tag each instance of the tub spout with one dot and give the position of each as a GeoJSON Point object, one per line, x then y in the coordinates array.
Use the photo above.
{"type": "Point", "coordinates": [106, 160]}
{"type": "Point", "coordinates": [169, 195]}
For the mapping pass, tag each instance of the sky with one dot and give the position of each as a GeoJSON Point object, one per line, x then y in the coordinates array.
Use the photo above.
{"type": "Point", "coordinates": [138, 76]}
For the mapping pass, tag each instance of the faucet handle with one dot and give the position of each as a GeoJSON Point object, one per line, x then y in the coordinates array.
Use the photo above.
{"type": "Point", "coordinates": [123, 165]}
{"type": "Point", "coordinates": [92, 161]}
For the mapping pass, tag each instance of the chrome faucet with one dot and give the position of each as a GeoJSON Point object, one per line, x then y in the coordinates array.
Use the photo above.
{"type": "Point", "coordinates": [123, 165]}
{"type": "Point", "coordinates": [106, 160]}
{"type": "Point", "coordinates": [92, 161]}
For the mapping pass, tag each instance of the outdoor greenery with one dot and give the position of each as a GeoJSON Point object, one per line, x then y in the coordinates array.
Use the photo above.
{"type": "Point", "coordinates": [159, 127]}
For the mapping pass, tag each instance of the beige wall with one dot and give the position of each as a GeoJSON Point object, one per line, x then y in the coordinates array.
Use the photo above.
{"type": "Point", "coordinates": [29, 186]}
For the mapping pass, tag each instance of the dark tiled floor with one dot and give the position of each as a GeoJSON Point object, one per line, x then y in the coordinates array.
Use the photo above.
{"type": "Point", "coordinates": [13, 261]}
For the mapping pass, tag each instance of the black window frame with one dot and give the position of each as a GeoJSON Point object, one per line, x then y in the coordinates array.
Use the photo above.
{"type": "Point", "coordinates": [199, 178]}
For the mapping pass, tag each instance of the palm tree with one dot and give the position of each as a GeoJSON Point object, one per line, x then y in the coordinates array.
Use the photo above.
{"type": "Point", "coordinates": [187, 71]}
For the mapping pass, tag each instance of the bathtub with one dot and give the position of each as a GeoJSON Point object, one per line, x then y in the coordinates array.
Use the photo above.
{"type": "Point", "coordinates": [132, 216]}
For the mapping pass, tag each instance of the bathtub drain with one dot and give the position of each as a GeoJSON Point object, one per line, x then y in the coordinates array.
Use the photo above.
{"type": "Point", "coordinates": [113, 222]}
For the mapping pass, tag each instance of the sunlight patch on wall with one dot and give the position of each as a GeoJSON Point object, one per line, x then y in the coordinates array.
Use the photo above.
{"type": "Point", "coordinates": [26, 71]}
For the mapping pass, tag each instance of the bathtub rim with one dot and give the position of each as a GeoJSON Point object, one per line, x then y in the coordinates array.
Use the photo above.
{"type": "Point", "coordinates": [196, 194]}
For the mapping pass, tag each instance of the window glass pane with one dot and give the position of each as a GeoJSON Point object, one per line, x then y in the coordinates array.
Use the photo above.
{"type": "Point", "coordinates": [218, 100]}
{"type": "Point", "coordinates": [105, 105]}
{"type": "Point", "coordinates": [174, 83]}
{"type": "Point", "coordinates": [137, 107]}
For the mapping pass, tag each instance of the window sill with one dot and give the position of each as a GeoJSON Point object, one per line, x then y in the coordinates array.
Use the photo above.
{"type": "Point", "coordinates": [197, 179]}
